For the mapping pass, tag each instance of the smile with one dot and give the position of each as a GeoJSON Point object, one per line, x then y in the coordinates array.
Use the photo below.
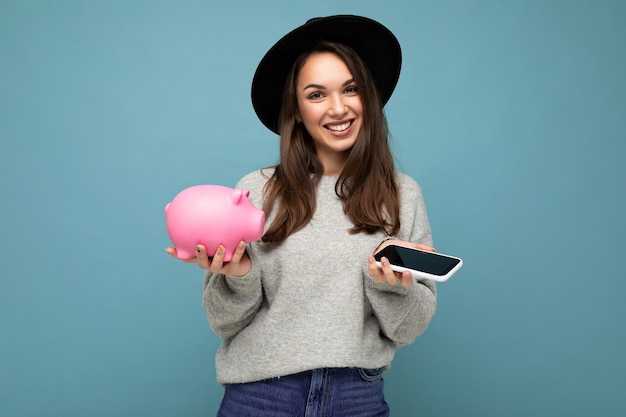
{"type": "Point", "coordinates": [339, 127]}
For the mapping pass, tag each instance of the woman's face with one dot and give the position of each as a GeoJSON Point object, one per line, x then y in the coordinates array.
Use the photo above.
{"type": "Point", "coordinates": [330, 108]}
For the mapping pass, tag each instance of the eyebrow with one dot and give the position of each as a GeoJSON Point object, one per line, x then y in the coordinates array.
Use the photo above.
{"type": "Point", "coordinates": [321, 87]}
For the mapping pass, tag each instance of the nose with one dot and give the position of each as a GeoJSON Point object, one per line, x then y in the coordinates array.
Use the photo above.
{"type": "Point", "coordinates": [337, 106]}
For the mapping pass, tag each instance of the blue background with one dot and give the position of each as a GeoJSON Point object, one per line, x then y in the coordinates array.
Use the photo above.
{"type": "Point", "coordinates": [510, 114]}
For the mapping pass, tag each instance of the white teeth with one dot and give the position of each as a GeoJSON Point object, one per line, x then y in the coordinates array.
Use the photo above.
{"type": "Point", "coordinates": [339, 128]}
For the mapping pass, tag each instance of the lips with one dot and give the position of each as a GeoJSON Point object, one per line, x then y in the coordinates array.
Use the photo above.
{"type": "Point", "coordinates": [339, 127]}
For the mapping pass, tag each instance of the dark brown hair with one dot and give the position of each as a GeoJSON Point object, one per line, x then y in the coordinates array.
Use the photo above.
{"type": "Point", "coordinates": [366, 184]}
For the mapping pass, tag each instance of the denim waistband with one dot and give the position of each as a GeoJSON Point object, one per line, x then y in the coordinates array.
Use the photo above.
{"type": "Point", "coordinates": [327, 392]}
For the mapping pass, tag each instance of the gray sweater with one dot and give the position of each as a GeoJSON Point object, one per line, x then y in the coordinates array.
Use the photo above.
{"type": "Point", "coordinates": [310, 302]}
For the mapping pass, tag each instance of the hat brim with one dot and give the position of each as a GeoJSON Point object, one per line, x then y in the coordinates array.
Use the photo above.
{"type": "Point", "coordinates": [372, 41]}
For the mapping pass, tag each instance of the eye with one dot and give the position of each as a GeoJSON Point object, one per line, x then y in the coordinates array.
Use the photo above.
{"type": "Point", "coordinates": [316, 96]}
{"type": "Point", "coordinates": [352, 90]}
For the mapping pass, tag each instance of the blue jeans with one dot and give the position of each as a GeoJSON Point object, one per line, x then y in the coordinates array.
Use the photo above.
{"type": "Point", "coordinates": [330, 392]}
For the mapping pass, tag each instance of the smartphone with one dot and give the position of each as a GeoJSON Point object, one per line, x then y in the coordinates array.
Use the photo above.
{"type": "Point", "coordinates": [428, 265]}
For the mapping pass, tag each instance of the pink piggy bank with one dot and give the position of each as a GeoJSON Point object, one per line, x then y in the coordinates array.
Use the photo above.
{"type": "Point", "coordinates": [211, 215]}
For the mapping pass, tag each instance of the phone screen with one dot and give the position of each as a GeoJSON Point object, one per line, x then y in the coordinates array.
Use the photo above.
{"type": "Point", "coordinates": [429, 262]}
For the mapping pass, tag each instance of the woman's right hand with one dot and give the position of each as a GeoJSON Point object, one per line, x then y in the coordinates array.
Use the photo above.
{"type": "Point", "coordinates": [239, 265]}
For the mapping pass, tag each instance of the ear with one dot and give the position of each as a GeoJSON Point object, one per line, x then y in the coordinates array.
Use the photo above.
{"type": "Point", "coordinates": [297, 117]}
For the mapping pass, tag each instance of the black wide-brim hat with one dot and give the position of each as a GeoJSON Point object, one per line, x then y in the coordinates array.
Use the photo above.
{"type": "Point", "coordinates": [372, 41]}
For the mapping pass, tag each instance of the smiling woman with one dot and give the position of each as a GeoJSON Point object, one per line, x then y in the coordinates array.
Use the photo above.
{"type": "Point", "coordinates": [295, 327]}
{"type": "Point", "coordinates": [330, 108]}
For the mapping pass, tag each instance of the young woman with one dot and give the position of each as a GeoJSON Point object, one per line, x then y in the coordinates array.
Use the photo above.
{"type": "Point", "coordinates": [309, 322]}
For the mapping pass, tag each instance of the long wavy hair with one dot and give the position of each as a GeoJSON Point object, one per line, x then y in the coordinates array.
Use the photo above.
{"type": "Point", "coordinates": [366, 184]}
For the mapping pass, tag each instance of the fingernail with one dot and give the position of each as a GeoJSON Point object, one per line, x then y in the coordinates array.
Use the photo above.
{"type": "Point", "coordinates": [220, 249]}
{"type": "Point", "coordinates": [197, 249]}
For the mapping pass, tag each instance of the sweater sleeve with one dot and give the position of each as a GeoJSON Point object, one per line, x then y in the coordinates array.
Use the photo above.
{"type": "Point", "coordinates": [402, 313]}
{"type": "Point", "coordinates": [231, 302]}
{"type": "Point", "coordinates": [405, 313]}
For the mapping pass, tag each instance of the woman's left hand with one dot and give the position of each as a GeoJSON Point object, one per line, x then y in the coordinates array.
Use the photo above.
{"type": "Point", "coordinates": [384, 273]}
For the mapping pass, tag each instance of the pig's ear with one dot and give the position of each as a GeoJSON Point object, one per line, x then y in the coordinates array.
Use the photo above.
{"type": "Point", "coordinates": [167, 207]}
{"type": "Point", "coordinates": [237, 194]}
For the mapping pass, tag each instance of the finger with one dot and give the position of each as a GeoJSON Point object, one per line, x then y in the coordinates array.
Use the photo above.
{"type": "Point", "coordinates": [218, 260]}
{"type": "Point", "coordinates": [374, 270]}
{"type": "Point", "coordinates": [425, 248]}
{"type": "Point", "coordinates": [174, 254]}
{"type": "Point", "coordinates": [406, 279]}
{"type": "Point", "coordinates": [239, 251]}
{"type": "Point", "coordinates": [390, 274]}
{"type": "Point", "coordinates": [201, 257]}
